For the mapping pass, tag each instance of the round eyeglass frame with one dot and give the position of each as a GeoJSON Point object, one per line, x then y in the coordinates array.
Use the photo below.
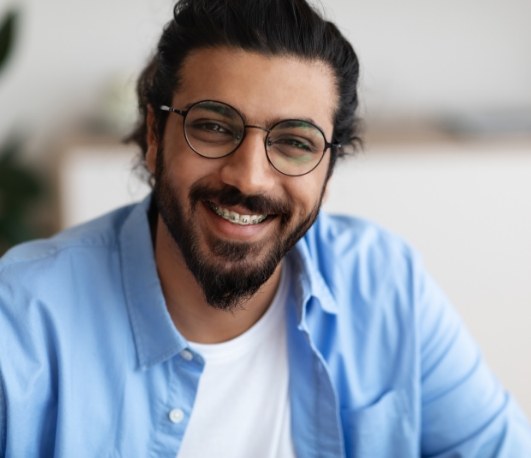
{"type": "Point", "coordinates": [184, 114]}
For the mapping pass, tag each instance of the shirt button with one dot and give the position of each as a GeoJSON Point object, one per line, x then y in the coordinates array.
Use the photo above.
{"type": "Point", "coordinates": [176, 415]}
{"type": "Point", "coordinates": [187, 355]}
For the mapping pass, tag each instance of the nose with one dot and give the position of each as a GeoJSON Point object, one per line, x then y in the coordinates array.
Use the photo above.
{"type": "Point", "coordinates": [248, 168]}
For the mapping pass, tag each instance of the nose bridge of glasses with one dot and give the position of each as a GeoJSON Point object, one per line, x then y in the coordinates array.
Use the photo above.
{"type": "Point", "coordinates": [254, 126]}
{"type": "Point", "coordinates": [241, 137]}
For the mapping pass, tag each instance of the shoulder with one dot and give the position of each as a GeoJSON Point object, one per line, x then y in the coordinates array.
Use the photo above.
{"type": "Point", "coordinates": [351, 247]}
{"type": "Point", "coordinates": [373, 279]}
{"type": "Point", "coordinates": [53, 287]}
{"type": "Point", "coordinates": [61, 271]}
{"type": "Point", "coordinates": [98, 235]}
{"type": "Point", "coordinates": [98, 232]}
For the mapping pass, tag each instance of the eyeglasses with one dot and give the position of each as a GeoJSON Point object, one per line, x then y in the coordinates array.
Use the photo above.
{"type": "Point", "coordinates": [212, 129]}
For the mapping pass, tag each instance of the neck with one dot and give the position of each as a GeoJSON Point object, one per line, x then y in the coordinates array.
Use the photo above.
{"type": "Point", "coordinates": [195, 319]}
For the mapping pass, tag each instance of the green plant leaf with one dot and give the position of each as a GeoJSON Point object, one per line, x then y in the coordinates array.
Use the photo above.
{"type": "Point", "coordinates": [21, 189]}
{"type": "Point", "coordinates": [7, 36]}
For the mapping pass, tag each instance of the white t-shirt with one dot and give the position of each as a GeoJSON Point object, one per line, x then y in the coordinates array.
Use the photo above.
{"type": "Point", "coordinates": [242, 406]}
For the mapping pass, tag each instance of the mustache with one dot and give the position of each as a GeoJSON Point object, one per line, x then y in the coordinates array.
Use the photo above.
{"type": "Point", "coordinates": [230, 195]}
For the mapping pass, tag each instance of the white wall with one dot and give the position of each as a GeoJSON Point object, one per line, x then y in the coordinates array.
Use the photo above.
{"type": "Point", "coordinates": [69, 55]}
{"type": "Point", "coordinates": [418, 58]}
{"type": "Point", "coordinates": [431, 57]}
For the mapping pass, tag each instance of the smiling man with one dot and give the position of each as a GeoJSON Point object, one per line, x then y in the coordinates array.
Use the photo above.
{"type": "Point", "coordinates": [235, 188]}
{"type": "Point", "coordinates": [225, 315]}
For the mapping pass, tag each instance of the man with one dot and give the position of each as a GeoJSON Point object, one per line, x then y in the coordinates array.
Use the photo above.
{"type": "Point", "coordinates": [225, 316]}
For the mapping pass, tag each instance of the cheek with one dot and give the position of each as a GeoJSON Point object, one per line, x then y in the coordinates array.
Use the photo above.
{"type": "Point", "coordinates": [306, 194]}
{"type": "Point", "coordinates": [186, 169]}
{"type": "Point", "coordinates": [182, 160]}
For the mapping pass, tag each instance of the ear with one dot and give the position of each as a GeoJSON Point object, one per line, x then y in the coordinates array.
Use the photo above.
{"type": "Point", "coordinates": [151, 140]}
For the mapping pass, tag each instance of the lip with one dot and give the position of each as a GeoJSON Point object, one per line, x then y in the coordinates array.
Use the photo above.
{"type": "Point", "coordinates": [224, 228]}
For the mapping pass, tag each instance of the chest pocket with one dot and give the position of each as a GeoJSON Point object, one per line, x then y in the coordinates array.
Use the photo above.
{"type": "Point", "coordinates": [380, 430]}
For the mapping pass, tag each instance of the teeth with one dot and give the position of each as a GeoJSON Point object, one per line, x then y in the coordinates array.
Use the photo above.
{"type": "Point", "coordinates": [236, 218]}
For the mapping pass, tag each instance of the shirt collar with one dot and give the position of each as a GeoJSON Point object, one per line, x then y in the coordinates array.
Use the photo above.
{"type": "Point", "coordinates": [155, 335]}
{"type": "Point", "coordinates": [308, 263]}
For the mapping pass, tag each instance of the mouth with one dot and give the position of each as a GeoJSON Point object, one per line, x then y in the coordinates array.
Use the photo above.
{"type": "Point", "coordinates": [237, 218]}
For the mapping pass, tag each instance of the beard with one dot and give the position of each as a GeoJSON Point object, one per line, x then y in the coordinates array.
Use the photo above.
{"type": "Point", "coordinates": [229, 273]}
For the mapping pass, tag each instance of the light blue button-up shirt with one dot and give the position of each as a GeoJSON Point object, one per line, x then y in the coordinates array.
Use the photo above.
{"type": "Point", "coordinates": [91, 364]}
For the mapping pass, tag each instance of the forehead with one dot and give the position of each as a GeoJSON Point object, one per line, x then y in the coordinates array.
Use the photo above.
{"type": "Point", "coordinates": [264, 88]}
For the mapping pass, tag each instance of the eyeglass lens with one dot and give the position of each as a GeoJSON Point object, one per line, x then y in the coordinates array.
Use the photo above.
{"type": "Point", "coordinates": [213, 130]}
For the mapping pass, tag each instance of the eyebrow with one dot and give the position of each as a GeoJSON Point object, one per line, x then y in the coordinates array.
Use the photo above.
{"type": "Point", "coordinates": [296, 122]}
{"type": "Point", "coordinates": [218, 106]}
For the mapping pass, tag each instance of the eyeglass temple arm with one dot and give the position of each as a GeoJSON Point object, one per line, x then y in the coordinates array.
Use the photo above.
{"type": "Point", "coordinates": [333, 145]}
{"type": "Point", "coordinates": [172, 110]}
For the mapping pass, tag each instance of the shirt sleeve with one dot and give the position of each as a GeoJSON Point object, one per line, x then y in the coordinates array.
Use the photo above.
{"type": "Point", "coordinates": [22, 370]}
{"type": "Point", "coordinates": [3, 424]}
{"type": "Point", "coordinates": [465, 410]}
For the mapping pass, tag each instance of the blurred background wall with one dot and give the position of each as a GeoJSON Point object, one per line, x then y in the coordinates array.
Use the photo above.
{"type": "Point", "coordinates": [445, 91]}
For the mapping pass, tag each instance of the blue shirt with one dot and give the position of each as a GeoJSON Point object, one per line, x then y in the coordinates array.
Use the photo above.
{"type": "Point", "coordinates": [91, 364]}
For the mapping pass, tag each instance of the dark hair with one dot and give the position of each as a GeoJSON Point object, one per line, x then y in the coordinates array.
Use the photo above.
{"type": "Point", "coordinates": [270, 27]}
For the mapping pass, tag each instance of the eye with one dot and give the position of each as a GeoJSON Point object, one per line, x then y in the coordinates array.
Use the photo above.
{"type": "Point", "coordinates": [293, 147]}
{"type": "Point", "coordinates": [211, 126]}
{"type": "Point", "coordinates": [294, 142]}
{"type": "Point", "coordinates": [211, 131]}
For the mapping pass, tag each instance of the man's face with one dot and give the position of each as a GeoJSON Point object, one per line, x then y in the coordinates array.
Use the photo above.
{"type": "Point", "coordinates": [207, 204]}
